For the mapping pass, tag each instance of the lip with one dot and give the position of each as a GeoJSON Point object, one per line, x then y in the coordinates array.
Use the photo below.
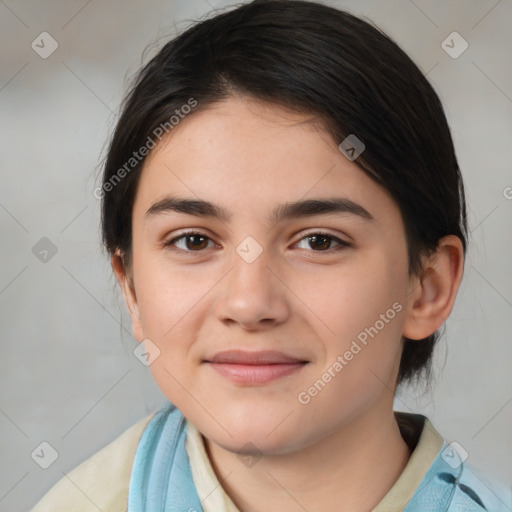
{"type": "Point", "coordinates": [262, 357]}
{"type": "Point", "coordinates": [245, 367]}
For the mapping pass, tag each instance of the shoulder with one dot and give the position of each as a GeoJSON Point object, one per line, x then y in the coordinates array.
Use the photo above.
{"type": "Point", "coordinates": [452, 485]}
{"type": "Point", "coordinates": [443, 478]}
{"type": "Point", "coordinates": [101, 482]}
{"type": "Point", "coordinates": [481, 491]}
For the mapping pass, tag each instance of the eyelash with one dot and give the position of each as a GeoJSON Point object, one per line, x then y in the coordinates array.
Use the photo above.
{"type": "Point", "coordinates": [342, 243]}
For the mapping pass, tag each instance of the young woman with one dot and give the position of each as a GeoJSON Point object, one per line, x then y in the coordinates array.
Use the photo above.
{"type": "Point", "coordinates": [286, 219]}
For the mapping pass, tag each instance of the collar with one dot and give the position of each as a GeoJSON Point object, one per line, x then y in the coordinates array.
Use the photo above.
{"type": "Point", "coordinates": [417, 431]}
{"type": "Point", "coordinates": [425, 443]}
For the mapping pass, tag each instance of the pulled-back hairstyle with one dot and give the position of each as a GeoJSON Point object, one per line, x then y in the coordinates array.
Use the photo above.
{"type": "Point", "coordinates": [316, 60]}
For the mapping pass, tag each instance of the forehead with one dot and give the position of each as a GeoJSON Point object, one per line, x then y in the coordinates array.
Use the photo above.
{"type": "Point", "coordinates": [240, 127]}
{"type": "Point", "coordinates": [249, 156]}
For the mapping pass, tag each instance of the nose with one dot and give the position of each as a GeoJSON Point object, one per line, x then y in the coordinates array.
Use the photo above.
{"type": "Point", "coordinates": [253, 294]}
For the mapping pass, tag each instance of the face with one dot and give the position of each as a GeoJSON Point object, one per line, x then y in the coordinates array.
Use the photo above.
{"type": "Point", "coordinates": [275, 326]}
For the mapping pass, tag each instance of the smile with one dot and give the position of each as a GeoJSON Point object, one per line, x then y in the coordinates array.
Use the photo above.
{"type": "Point", "coordinates": [255, 374]}
{"type": "Point", "coordinates": [245, 367]}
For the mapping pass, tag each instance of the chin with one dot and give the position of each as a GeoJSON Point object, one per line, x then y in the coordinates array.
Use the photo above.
{"type": "Point", "coordinates": [255, 444]}
{"type": "Point", "coordinates": [254, 434]}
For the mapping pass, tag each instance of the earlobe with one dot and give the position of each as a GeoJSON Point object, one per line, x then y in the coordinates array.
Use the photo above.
{"type": "Point", "coordinates": [128, 290]}
{"type": "Point", "coordinates": [433, 294]}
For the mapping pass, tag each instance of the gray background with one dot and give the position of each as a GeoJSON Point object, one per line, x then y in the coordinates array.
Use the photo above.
{"type": "Point", "coordinates": [69, 376]}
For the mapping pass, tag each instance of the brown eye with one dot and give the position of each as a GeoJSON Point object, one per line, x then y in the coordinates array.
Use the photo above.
{"type": "Point", "coordinates": [190, 242]}
{"type": "Point", "coordinates": [196, 241]}
{"type": "Point", "coordinates": [321, 242]}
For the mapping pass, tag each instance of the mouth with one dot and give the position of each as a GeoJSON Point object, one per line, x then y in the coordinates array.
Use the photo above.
{"type": "Point", "coordinates": [245, 367]}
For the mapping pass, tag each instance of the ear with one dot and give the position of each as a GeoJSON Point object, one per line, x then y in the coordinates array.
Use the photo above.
{"type": "Point", "coordinates": [125, 281]}
{"type": "Point", "coordinates": [432, 295]}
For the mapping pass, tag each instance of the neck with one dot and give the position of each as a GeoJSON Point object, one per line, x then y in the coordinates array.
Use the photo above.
{"type": "Point", "coordinates": [351, 469]}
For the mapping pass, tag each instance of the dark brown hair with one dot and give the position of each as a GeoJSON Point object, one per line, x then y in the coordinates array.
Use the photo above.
{"type": "Point", "coordinates": [316, 60]}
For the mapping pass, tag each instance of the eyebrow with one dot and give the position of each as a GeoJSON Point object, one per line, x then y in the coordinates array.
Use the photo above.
{"type": "Point", "coordinates": [286, 211]}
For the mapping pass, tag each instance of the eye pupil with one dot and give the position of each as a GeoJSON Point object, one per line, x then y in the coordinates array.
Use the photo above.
{"type": "Point", "coordinates": [314, 239]}
{"type": "Point", "coordinates": [196, 243]}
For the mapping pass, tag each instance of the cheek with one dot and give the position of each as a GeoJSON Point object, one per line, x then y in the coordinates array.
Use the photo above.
{"type": "Point", "coordinates": [173, 302]}
{"type": "Point", "coordinates": [168, 296]}
{"type": "Point", "coordinates": [170, 308]}
{"type": "Point", "coordinates": [366, 312]}
{"type": "Point", "coordinates": [362, 357]}
{"type": "Point", "coordinates": [359, 294]}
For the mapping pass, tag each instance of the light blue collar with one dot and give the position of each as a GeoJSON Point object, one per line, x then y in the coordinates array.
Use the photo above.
{"type": "Point", "coordinates": [161, 479]}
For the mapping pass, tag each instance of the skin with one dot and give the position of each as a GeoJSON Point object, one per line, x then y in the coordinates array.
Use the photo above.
{"type": "Point", "coordinates": [309, 302]}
